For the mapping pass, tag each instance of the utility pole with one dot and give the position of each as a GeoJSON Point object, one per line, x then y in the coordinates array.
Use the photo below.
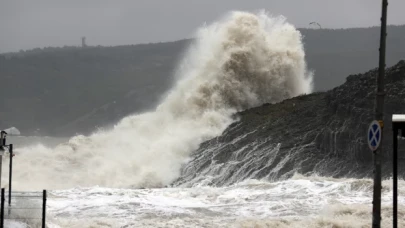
{"type": "Point", "coordinates": [379, 116]}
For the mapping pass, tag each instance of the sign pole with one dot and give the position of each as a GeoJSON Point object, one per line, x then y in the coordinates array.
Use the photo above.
{"type": "Point", "coordinates": [379, 115]}
{"type": "Point", "coordinates": [374, 138]}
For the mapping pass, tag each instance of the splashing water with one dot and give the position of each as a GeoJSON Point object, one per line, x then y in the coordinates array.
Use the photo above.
{"type": "Point", "coordinates": [315, 202]}
{"type": "Point", "coordinates": [239, 62]}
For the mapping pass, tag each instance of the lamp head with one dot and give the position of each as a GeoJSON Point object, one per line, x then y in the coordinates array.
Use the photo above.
{"type": "Point", "coordinates": [398, 122]}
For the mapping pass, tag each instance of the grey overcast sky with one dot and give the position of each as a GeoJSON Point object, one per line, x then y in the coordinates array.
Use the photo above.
{"type": "Point", "coordinates": [26, 24]}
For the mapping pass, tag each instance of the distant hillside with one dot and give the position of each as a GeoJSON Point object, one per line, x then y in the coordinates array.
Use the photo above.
{"type": "Point", "coordinates": [63, 91]}
{"type": "Point", "coordinates": [336, 53]}
{"type": "Point", "coordinates": [69, 90]}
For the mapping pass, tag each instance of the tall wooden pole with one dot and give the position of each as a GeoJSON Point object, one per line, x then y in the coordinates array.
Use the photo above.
{"type": "Point", "coordinates": [379, 115]}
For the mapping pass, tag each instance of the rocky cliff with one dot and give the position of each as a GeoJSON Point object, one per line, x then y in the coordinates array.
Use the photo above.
{"type": "Point", "coordinates": [322, 133]}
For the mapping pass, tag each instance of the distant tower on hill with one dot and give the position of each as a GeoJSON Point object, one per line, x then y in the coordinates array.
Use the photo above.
{"type": "Point", "coordinates": [84, 42]}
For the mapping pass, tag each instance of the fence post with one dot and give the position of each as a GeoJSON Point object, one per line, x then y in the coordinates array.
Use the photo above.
{"type": "Point", "coordinates": [2, 209]}
{"type": "Point", "coordinates": [10, 174]}
{"type": "Point", "coordinates": [43, 208]}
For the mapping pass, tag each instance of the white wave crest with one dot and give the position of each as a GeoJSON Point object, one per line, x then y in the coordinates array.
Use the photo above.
{"type": "Point", "coordinates": [242, 61]}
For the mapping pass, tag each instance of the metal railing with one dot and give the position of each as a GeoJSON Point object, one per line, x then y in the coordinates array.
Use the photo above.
{"type": "Point", "coordinates": [24, 207]}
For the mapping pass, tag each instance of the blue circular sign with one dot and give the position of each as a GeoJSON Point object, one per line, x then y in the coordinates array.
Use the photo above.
{"type": "Point", "coordinates": [374, 135]}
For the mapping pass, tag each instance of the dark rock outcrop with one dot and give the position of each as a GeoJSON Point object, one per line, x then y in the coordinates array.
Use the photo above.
{"type": "Point", "coordinates": [323, 133]}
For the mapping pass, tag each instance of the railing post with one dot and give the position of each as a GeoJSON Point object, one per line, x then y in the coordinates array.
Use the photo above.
{"type": "Point", "coordinates": [1, 168]}
{"type": "Point", "coordinates": [2, 209]}
{"type": "Point", "coordinates": [43, 208]}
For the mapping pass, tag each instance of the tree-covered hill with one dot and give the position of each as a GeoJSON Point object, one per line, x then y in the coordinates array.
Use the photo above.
{"type": "Point", "coordinates": [69, 90]}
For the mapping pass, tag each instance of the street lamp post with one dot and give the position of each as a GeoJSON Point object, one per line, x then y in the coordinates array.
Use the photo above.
{"type": "Point", "coordinates": [398, 123]}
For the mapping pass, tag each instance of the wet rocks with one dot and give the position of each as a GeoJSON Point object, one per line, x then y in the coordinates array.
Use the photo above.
{"type": "Point", "coordinates": [323, 133]}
